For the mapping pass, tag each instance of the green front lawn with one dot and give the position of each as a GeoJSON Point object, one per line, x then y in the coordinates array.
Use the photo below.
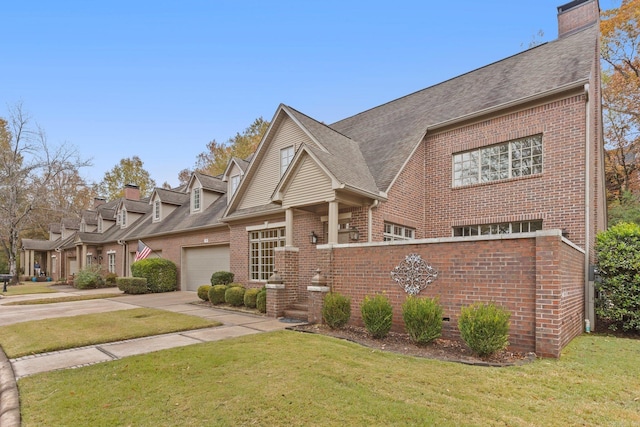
{"type": "Point", "coordinates": [40, 336]}
{"type": "Point", "coordinates": [27, 288]}
{"type": "Point", "coordinates": [290, 378]}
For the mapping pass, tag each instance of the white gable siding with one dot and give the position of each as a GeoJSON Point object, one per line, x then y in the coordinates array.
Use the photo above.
{"type": "Point", "coordinates": [309, 185]}
{"type": "Point", "coordinates": [267, 176]}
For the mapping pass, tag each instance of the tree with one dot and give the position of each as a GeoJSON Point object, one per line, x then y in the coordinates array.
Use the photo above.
{"type": "Point", "coordinates": [214, 161]}
{"type": "Point", "coordinates": [128, 171]}
{"type": "Point", "coordinates": [28, 167]}
{"type": "Point", "coordinates": [620, 52]}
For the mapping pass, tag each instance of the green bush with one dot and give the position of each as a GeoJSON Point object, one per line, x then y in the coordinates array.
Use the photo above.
{"type": "Point", "coordinates": [336, 310]}
{"type": "Point", "coordinates": [377, 315]}
{"type": "Point", "coordinates": [110, 279]}
{"type": "Point", "coordinates": [261, 301]}
{"type": "Point", "coordinates": [618, 287]}
{"type": "Point", "coordinates": [250, 297]}
{"type": "Point", "coordinates": [216, 294]}
{"type": "Point", "coordinates": [221, 278]}
{"type": "Point", "coordinates": [422, 319]}
{"type": "Point", "coordinates": [132, 285]}
{"type": "Point", "coordinates": [234, 296]}
{"type": "Point", "coordinates": [89, 278]}
{"type": "Point", "coordinates": [235, 285]}
{"type": "Point", "coordinates": [484, 327]}
{"type": "Point", "coordinates": [203, 292]}
{"type": "Point", "coordinates": [161, 274]}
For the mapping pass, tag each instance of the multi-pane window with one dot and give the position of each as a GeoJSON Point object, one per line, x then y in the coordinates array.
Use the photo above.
{"type": "Point", "coordinates": [196, 199]}
{"type": "Point", "coordinates": [235, 182]}
{"type": "Point", "coordinates": [500, 228]}
{"type": "Point", "coordinates": [520, 157]}
{"type": "Point", "coordinates": [261, 251]}
{"type": "Point", "coordinates": [100, 225]}
{"type": "Point", "coordinates": [394, 232]}
{"type": "Point", "coordinates": [123, 221]}
{"type": "Point", "coordinates": [89, 259]}
{"type": "Point", "coordinates": [286, 155]}
{"type": "Point", "coordinates": [111, 262]}
{"type": "Point", "coordinates": [156, 210]}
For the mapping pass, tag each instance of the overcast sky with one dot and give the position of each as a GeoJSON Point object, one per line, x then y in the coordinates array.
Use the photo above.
{"type": "Point", "coordinates": [159, 79]}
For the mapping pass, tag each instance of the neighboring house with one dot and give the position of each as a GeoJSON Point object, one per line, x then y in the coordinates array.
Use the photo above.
{"type": "Point", "coordinates": [495, 178]}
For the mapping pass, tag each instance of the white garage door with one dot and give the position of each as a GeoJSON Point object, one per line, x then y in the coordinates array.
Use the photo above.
{"type": "Point", "coordinates": [200, 263]}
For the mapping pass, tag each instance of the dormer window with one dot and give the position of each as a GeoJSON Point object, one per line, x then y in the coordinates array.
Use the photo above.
{"type": "Point", "coordinates": [286, 155]}
{"type": "Point", "coordinates": [156, 210]}
{"type": "Point", "coordinates": [123, 219]}
{"type": "Point", "coordinates": [234, 183]}
{"type": "Point", "coordinates": [100, 225]}
{"type": "Point", "coordinates": [196, 199]}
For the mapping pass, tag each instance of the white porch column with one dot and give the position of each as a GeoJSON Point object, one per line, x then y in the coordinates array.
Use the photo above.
{"type": "Point", "coordinates": [333, 222]}
{"type": "Point", "coordinates": [288, 227]}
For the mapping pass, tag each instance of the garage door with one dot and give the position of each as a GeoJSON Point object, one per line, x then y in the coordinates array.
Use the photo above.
{"type": "Point", "coordinates": [200, 263]}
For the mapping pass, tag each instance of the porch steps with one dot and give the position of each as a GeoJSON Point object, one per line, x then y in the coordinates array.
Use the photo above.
{"type": "Point", "coordinates": [298, 311]}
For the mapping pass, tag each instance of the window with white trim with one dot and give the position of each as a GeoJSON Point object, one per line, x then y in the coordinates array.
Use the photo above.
{"type": "Point", "coordinates": [234, 183]}
{"type": "Point", "coordinates": [286, 155]}
{"type": "Point", "coordinates": [156, 210]}
{"type": "Point", "coordinates": [111, 262]}
{"type": "Point", "coordinates": [520, 157]}
{"type": "Point", "coordinates": [196, 199]}
{"type": "Point", "coordinates": [100, 225]}
{"type": "Point", "coordinates": [498, 228]}
{"type": "Point", "coordinates": [394, 232]}
{"type": "Point", "coordinates": [123, 220]}
{"type": "Point", "coordinates": [261, 251]}
{"type": "Point", "coordinates": [89, 259]}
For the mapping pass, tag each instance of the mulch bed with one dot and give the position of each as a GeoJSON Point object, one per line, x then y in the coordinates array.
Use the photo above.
{"type": "Point", "coordinates": [441, 349]}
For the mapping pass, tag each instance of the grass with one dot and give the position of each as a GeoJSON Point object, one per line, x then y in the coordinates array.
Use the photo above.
{"type": "Point", "coordinates": [27, 288]}
{"type": "Point", "coordinates": [39, 336]}
{"type": "Point", "coordinates": [290, 378]}
{"type": "Point", "coordinates": [71, 298]}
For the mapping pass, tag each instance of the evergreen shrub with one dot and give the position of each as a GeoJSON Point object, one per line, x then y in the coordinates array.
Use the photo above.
{"type": "Point", "coordinates": [336, 310]}
{"type": "Point", "coordinates": [422, 319]}
{"type": "Point", "coordinates": [203, 292]}
{"type": "Point", "coordinates": [234, 296]}
{"type": "Point", "coordinates": [261, 301]}
{"type": "Point", "coordinates": [484, 327]}
{"type": "Point", "coordinates": [216, 294]}
{"type": "Point", "coordinates": [161, 274]}
{"type": "Point", "coordinates": [132, 285]}
{"type": "Point", "coordinates": [250, 297]}
{"type": "Point", "coordinates": [377, 315]}
{"type": "Point", "coordinates": [89, 278]}
{"type": "Point", "coordinates": [618, 285]}
{"type": "Point", "coordinates": [221, 278]}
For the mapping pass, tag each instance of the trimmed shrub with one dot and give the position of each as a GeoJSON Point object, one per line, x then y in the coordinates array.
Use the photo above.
{"type": "Point", "coordinates": [336, 310]}
{"type": "Point", "coordinates": [261, 301]}
{"type": "Point", "coordinates": [250, 297]}
{"type": "Point", "coordinates": [132, 285]}
{"type": "Point", "coordinates": [89, 278]}
{"type": "Point", "coordinates": [484, 327]}
{"type": "Point", "coordinates": [234, 296]}
{"type": "Point", "coordinates": [161, 274]}
{"type": "Point", "coordinates": [618, 287]}
{"type": "Point", "coordinates": [377, 315]}
{"type": "Point", "coordinates": [216, 294]}
{"type": "Point", "coordinates": [221, 278]}
{"type": "Point", "coordinates": [235, 285]}
{"type": "Point", "coordinates": [203, 292]}
{"type": "Point", "coordinates": [422, 319]}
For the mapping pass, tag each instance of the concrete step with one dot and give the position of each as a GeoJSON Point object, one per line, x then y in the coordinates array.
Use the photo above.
{"type": "Point", "coordinates": [297, 314]}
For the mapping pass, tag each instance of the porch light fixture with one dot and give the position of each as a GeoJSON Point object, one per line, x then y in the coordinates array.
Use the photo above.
{"type": "Point", "coordinates": [313, 238]}
{"type": "Point", "coordinates": [354, 234]}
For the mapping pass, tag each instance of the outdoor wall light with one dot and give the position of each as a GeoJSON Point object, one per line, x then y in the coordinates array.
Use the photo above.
{"type": "Point", "coordinates": [354, 234]}
{"type": "Point", "coordinates": [313, 238]}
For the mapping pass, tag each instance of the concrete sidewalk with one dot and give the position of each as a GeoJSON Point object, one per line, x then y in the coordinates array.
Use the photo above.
{"type": "Point", "coordinates": [235, 324]}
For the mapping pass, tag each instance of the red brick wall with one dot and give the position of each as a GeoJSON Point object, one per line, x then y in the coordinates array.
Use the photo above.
{"type": "Point", "coordinates": [469, 270]}
{"type": "Point", "coordinates": [577, 17]}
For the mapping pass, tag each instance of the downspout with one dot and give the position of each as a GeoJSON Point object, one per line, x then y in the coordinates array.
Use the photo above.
{"type": "Point", "coordinates": [588, 283]}
{"type": "Point", "coordinates": [370, 220]}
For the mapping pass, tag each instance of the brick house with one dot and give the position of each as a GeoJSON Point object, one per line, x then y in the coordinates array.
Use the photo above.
{"type": "Point", "coordinates": [494, 179]}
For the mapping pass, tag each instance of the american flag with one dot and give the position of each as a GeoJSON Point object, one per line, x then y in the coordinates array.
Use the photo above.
{"type": "Point", "coordinates": [142, 252]}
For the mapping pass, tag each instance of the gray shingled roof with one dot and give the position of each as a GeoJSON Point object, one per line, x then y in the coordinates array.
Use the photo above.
{"type": "Point", "coordinates": [39, 245]}
{"type": "Point", "coordinates": [211, 183]}
{"type": "Point", "coordinates": [172, 197]}
{"type": "Point", "coordinates": [387, 134]}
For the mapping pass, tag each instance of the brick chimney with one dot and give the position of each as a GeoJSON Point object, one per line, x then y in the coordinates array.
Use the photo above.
{"type": "Point", "coordinates": [131, 192]}
{"type": "Point", "coordinates": [576, 15]}
{"type": "Point", "coordinates": [97, 201]}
